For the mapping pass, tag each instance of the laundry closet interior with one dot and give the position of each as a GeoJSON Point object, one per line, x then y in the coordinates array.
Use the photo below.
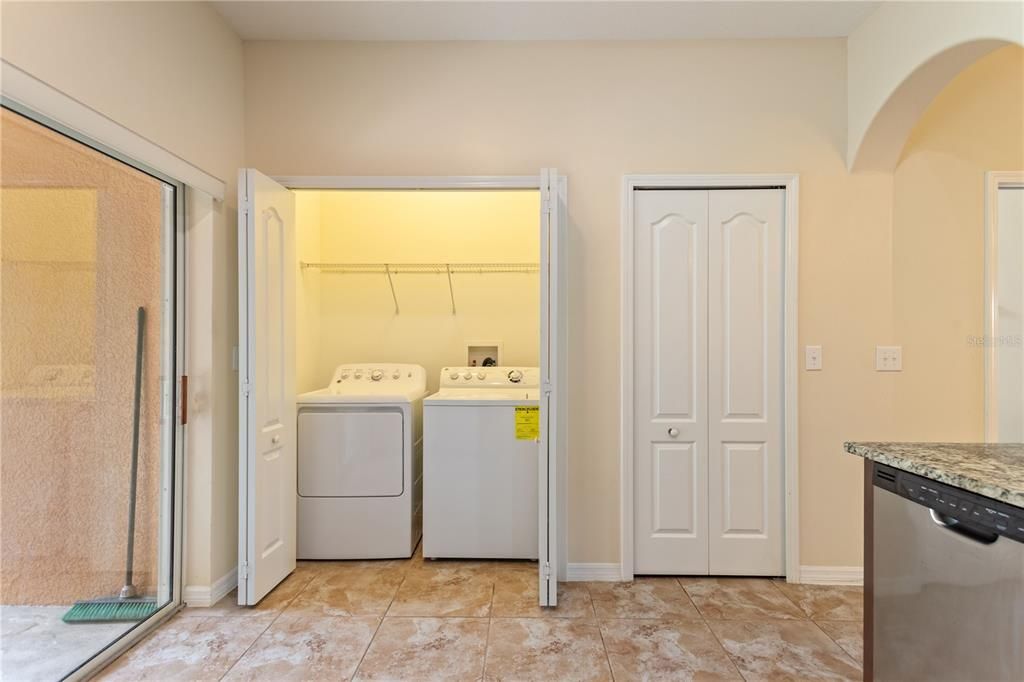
{"type": "Point", "coordinates": [397, 373]}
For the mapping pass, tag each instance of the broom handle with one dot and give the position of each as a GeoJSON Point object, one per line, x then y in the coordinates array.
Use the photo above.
{"type": "Point", "coordinates": [139, 337]}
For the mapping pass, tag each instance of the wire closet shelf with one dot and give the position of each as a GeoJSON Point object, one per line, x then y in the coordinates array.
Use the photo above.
{"type": "Point", "coordinates": [449, 269]}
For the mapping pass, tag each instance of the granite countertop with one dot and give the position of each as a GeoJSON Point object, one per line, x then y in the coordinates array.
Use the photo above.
{"type": "Point", "coordinates": [992, 470]}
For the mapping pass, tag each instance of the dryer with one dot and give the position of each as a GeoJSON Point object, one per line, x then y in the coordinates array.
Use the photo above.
{"type": "Point", "coordinates": [360, 447]}
{"type": "Point", "coordinates": [480, 476]}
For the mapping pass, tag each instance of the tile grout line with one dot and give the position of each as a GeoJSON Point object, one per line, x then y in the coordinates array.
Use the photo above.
{"type": "Point", "coordinates": [704, 621]}
{"type": "Point", "coordinates": [264, 630]}
{"type": "Point", "coordinates": [355, 671]}
{"type": "Point", "coordinates": [859, 664]}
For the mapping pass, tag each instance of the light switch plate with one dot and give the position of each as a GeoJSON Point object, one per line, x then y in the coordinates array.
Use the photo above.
{"type": "Point", "coordinates": [812, 358]}
{"type": "Point", "coordinates": [889, 358]}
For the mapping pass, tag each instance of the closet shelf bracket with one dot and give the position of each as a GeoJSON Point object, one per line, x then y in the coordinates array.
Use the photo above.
{"type": "Point", "coordinates": [451, 289]}
{"type": "Point", "coordinates": [391, 283]}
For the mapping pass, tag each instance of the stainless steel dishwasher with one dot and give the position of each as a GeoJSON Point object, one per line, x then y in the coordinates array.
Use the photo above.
{"type": "Point", "coordinates": [948, 582]}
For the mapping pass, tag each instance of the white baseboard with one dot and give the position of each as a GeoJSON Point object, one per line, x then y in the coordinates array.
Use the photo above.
{"type": "Point", "coordinates": [594, 572]}
{"type": "Point", "coordinates": [208, 595]}
{"type": "Point", "coordinates": [832, 575]}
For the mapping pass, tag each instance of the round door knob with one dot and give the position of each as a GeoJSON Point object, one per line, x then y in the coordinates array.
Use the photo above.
{"type": "Point", "coordinates": [673, 431]}
{"type": "Point", "coordinates": [377, 375]}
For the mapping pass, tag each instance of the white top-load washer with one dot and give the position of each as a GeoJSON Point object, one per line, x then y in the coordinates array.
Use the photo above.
{"type": "Point", "coordinates": [479, 478]}
{"type": "Point", "coordinates": [360, 463]}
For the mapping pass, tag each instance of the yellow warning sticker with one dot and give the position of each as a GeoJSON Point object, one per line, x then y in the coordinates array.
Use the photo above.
{"type": "Point", "coordinates": [527, 422]}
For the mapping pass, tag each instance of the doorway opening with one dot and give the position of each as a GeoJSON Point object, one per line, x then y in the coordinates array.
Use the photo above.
{"type": "Point", "coordinates": [414, 385]}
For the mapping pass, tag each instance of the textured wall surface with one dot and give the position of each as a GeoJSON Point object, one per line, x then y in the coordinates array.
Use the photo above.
{"type": "Point", "coordinates": [81, 250]}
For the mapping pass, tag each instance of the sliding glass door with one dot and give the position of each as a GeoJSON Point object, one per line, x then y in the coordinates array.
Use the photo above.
{"type": "Point", "coordinates": [89, 330]}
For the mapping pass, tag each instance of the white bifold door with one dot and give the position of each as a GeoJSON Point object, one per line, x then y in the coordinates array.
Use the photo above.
{"type": "Point", "coordinates": [554, 369]}
{"type": "Point", "coordinates": [266, 366]}
{"type": "Point", "coordinates": [708, 467]}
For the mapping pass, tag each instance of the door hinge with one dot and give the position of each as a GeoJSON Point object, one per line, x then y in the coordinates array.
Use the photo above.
{"type": "Point", "coordinates": [245, 389]}
{"type": "Point", "coordinates": [184, 399]}
{"type": "Point", "coordinates": [243, 570]}
{"type": "Point", "coordinates": [547, 570]}
{"type": "Point", "coordinates": [547, 388]}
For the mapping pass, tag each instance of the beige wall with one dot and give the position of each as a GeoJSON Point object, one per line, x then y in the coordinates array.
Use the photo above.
{"type": "Point", "coordinates": [355, 319]}
{"type": "Point", "coordinates": [975, 125]}
{"type": "Point", "coordinates": [596, 111]}
{"type": "Point", "coordinates": [173, 73]}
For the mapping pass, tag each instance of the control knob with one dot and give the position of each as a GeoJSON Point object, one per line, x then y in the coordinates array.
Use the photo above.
{"type": "Point", "coordinates": [515, 376]}
{"type": "Point", "coordinates": [467, 375]}
{"type": "Point", "coordinates": [481, 376]}
{"type": "Point", "coordinates": [453, 376]}
{"type": "Point", "coordinates": [377, 375]}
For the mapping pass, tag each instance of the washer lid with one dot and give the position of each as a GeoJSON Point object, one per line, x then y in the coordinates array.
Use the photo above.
{"type": "Point", "coordinates": [487, 397]}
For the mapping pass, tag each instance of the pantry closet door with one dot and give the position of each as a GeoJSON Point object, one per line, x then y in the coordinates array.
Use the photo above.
{"type": "Point", "coordinates": [708, 480]}
{"type": "Point", "coordinates": [267, 438]}
{"type": "Point", "coordinates": [552, 533]}
{"type": "Point", "coordinates": [745, 382]}
{"type": "Point", "coordinates": [671, 419]}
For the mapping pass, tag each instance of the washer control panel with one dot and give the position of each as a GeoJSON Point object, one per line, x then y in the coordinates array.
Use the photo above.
{"type": "Point", "coordinates": [490, 377]}
{"type": "Point", "coordinates": [393, 376]}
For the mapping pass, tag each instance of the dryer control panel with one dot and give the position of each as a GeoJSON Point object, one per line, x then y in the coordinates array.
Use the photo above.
{"type": "Point", "coordinates": [490, 377]}
{"type": "Point", "coordinates": [395, 376]}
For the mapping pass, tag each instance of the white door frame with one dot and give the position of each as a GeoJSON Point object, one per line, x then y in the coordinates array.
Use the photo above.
{"type": "Point", "coordinates": [790, 183]}
{"type": "Point", "coordinates": [449, 182]}
{"type": "Point", "coordinates": [994, 181]}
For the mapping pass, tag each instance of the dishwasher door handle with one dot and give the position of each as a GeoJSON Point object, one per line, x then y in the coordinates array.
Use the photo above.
{"type": "Point", "coordinates": [949, 523]}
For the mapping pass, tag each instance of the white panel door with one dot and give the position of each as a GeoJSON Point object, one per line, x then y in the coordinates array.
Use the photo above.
{"type": "Point", "coordinates": [745, 382]}
{"type": "Point", "coordinates": [267, 442]}
{"type": "Point", "coordinates": [553, 453]}
{"type": "Point", "coordinates": [1009, 328]}
{"type": "Point", "coordinates": [671, 420]}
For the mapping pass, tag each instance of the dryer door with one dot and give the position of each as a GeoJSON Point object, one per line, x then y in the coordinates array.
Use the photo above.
{"type": "Point", "coordinates": [351, 452]}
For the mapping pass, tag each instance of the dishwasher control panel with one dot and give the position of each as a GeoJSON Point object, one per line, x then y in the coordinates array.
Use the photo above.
{"type": "Point", "coordinates": [955, 504]}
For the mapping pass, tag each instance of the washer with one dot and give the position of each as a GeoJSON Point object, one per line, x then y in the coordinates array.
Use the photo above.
{"type": "Point", "coordinates": [360, 454]}
{"type": "Point", "coordinates": [479, 480]}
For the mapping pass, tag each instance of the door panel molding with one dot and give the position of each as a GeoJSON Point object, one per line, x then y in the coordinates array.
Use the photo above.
{"type": "Point", "coordinates": [631, 355]}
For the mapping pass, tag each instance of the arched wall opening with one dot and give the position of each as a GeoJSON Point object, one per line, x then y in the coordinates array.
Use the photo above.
{"type": "Point", "coordinates": [882, 145]}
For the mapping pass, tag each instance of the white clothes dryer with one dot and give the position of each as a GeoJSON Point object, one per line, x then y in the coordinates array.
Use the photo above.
{"type": "Point", "coordinates": [479, 475]}
{"type": "Point", "coordinates": [360, 455]}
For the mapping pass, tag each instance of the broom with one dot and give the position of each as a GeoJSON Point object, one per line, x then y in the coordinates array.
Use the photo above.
{"type": "Point", "coordinates": [127, 606]}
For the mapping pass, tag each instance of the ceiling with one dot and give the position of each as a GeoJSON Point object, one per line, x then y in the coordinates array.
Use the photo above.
{"type": "Point", "coordinates": [541, 19]}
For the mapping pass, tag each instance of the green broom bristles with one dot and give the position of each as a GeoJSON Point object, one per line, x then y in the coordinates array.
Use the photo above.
{"type": "Point", "coordinates": [111, 611]}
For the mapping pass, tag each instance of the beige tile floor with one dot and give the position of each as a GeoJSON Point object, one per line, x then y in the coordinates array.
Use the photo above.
{"type": "Point", "coordinates": [448, 620]}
